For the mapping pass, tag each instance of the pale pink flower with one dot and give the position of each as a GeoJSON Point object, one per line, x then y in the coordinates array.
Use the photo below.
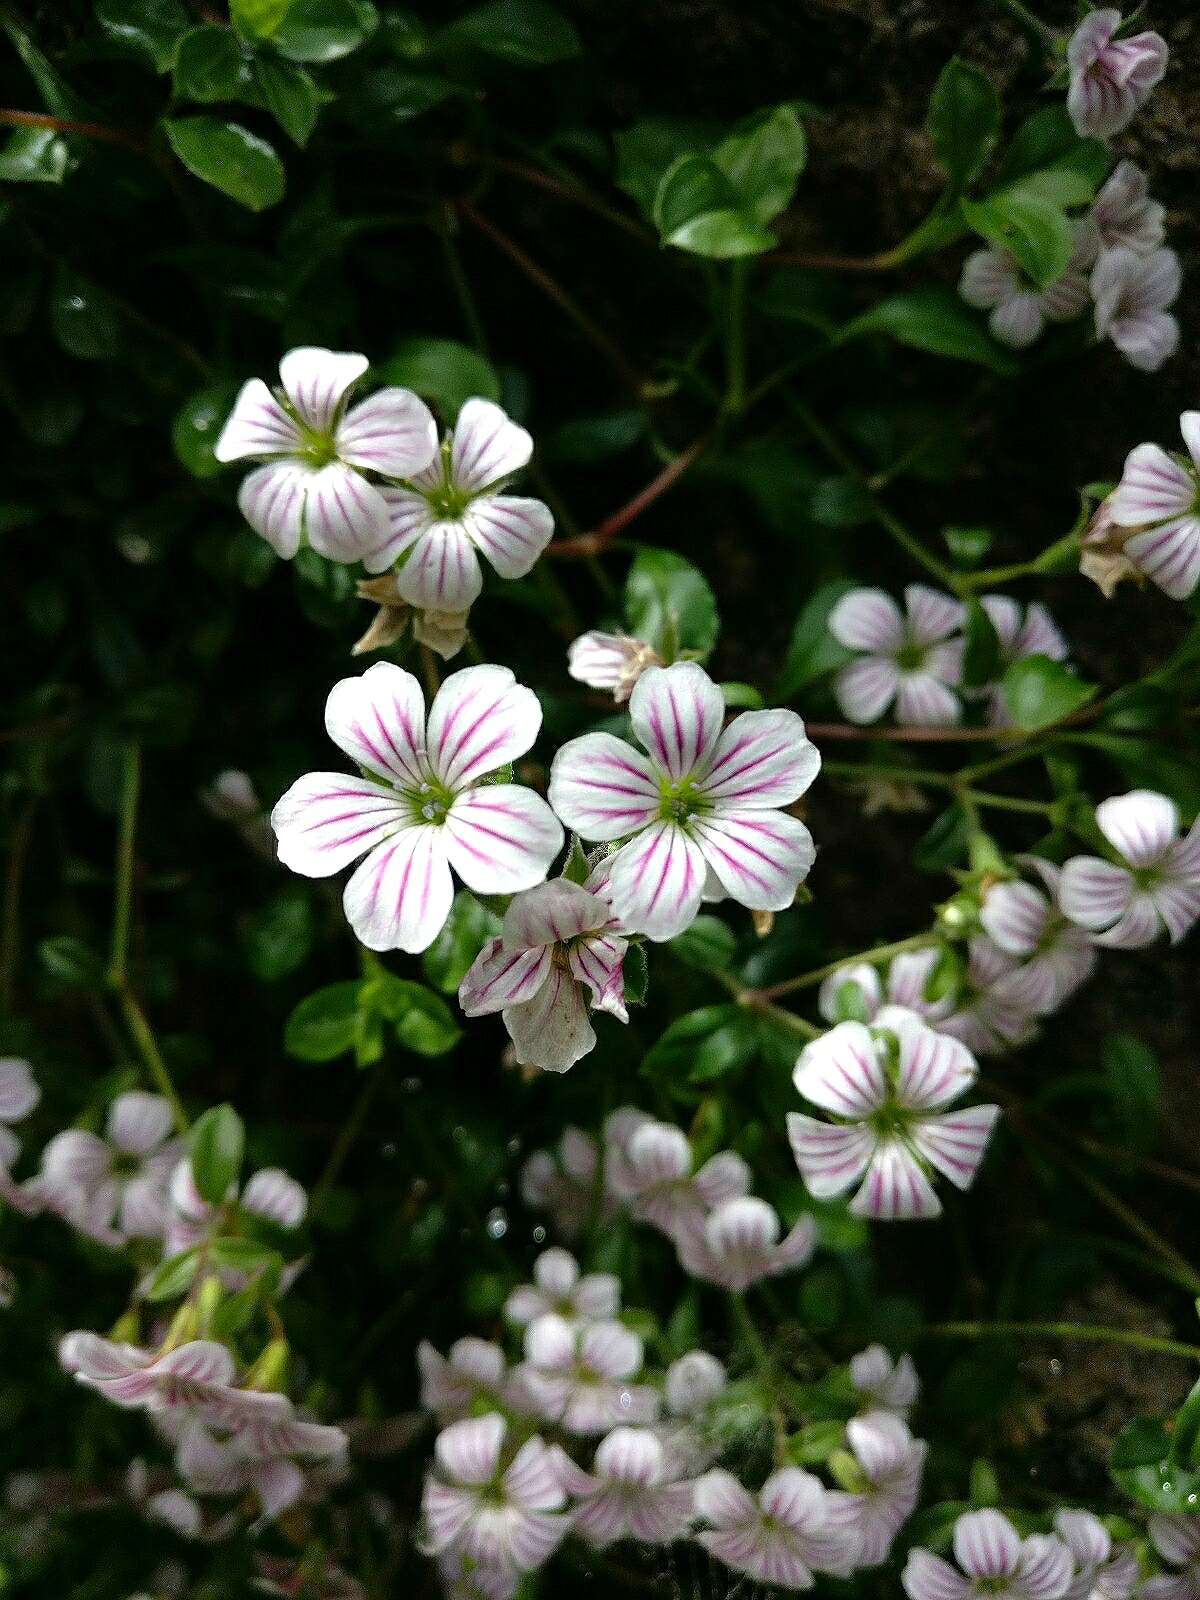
{"type": "Point", "coordinates": [1158, 500]}
{"type": "Point", "coordinates": [1022, 631]}
{"type": "Point", "coordinates": [992, 280]}
{"type": "Point", "coordinates": [582, 1376]}
{"type": "Point", "coordinates": [653, 1174]}
{"type": "Point", "coordinates": [566, 1182]}
{"type": "Point", "coordinates": [1024, 921]}
{"type": "Point", "coordinates": [559, 943]}
{"type": "Point", "coordinates": [464, 1579]}
{"type": "Point", "coordinates": [197, 1378]}
{"type": "Point", "coordinates": [909, 656]}
{"type": "Point", "coordinates": [995, 1561]}
{"type": "Point", "coordinates": [453, 510]}
{"type": "Point", "coordinates": [692, 1383]}
{"type": "Point", "coordinates": [503, 1520]}
{"type": "Point", "coordinates": [425, 808]}
{"type": "Point", "coordinates": [278, 1457]}
{"type": "Point", "coordinates": [630, 1492]}
{"type": "Point", "coordinates": [172, 1507]}
{"type": "Point", "coordinates": [1103, 1571]}
{"type": "Point", "coordinates": [114, 1188]}
{"type": "Point", "coordinates": [1176, 1541]}
{"type": "Point", "coordinates": [1154, 884]}
{"type": "Point", "coordinates": [231, 797]}
{"type": "Point", "coordinates": [1132, 293]}
{"type": "Point", "coordinates": [741, 1245]}
{"type": "Point", "coordinates": [793, 1528]}
{"type": "Point", "coordinates": [270, 1194]}
{"type": "Point", "coordinates": [611, 661]}
{"type": "Point", "coordinates": [891, 1130]}
{"type": "Point", "coordinates": [559, 1289]}
{"type": "Point", "coordinates": [276, 1197]}
{"type": "Point", "coordinates": [19, 1094]}
{"type": "Point", "coordinates": [908, 976]}
{"type": "Point", "coordinates": [991, 1012]}
{"type": "Point", "coordinates": [891, 1462]}
{"type": "Point", "coordinates": [1123, 214]}
{"type": "Point", "coordinates": [313, 488]}
{"type": "Point", "coordinates": [704, 803]}
{"type": "Point", "coordinates": [473, 1371]}
{"type": "Point", "coordinates": [887, 1385]}
{"type": "Point", "coordinates": [1111, 78]}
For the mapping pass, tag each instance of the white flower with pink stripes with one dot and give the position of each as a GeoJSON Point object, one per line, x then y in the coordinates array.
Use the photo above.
{"type": "Point", "coordinates": [1021, 631]}
{"type": "Point", "coordinates": [1110, 78]}
{"type": "Point", "coordinates": [994, 281]}
{"type": "Point", "coordinates": [791, 1529]}
{"type": "Point", "coordinates": [629, 1493]}
{"type": "Point", "coordinates": [891, 1463]}
{"type": "Point", "coordinates": [472, 1373]}
{"type": "Point", "coordinates": [1158, 502]}
{"type": "Point", "coordinates": [422, 808]}
{"type": "Point", "coordinates": [888, 1086]}
{"type": "Point", "coordinates": [197, 1378]}
{"type": "Point", "coordinates": [313, 488]}
{"type": "Point", "coordinates": [454, 509]}
{"type": "Point", "coordinates": [612, 661]}
{"type": "Point", "coordinates": [1153, 884]}
{"type": "Point", "coordinates": [1175, 1538]}
{"type": "Point", "coordinates": [995, 1560]}
{"type": "Point", "coordinates": [560, 1289]}
{"type": "Point", "coordinates": [581, 1375]}
{"type": "Point", "coordinates": [559, 943]}
{"type": "Point", "coordinates": [1124, 215]}
{"type": "Point", "coordinates": [909, 657]}
{"type": "Point", "coordinates": [907, 979]}
{"type": "Point", "coordinates": [740, 1245]}
{"type": "Point", "coordinates": [887, 1384]}
{"type": "Point", "coordinates": [1024, 921]}
{"type": "Point", "coordinates": [700, 811]}
{"type": "Point", "coordinates": [1132, 293]}
{"type": "Point", "coordinates": [653, 1171]}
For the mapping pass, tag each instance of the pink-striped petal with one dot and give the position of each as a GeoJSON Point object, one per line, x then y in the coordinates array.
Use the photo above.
{"type": "Point", "coordinates": [552, 913]}
{"type": "Point", "coordinates": [316, 381]}
{"type": "Point", "coordinates": [868, 619]}
{"type": "Point", "coordinates": [502, 977]}
{"type": "Point", "coordinates": [602, 787]}
{"type": "Point", "coordinates": [271, 499]}
{"type": "Point", "coordinates": [501, 838]}
{"type": "Point", "coordinates": [400, 896]}
{"type": "Point", "coordinates": [409, 516]}
{"type": "Point", "coordinates": [603, 1517]}
{"type": "Point", "coordinates": [1045, 1569]}
{"type": "Point", "coordinates": [1137, 926]}
{"type": "Point", "coordinates": [344, 515]}
{"type": "Point", "coordinates": [955, 1143]}
{"type": "Point", "coordinates": [138, 1122]}
{"type": "Point", "coordinates": [841, 1072]}
{"type": "Point", "coordinates": [481, 719]}
{"type": "Point", "coordinates": [895, 1189]}
{"type": "Point", "coordinates": [392, 432]}
{"type": "Point", "coordinates": [1169, 555]}
{"type": "Point", "coordinates": [1015, 916]}
{"type": "Point", "coordinates": [532, 1480]}
{"type": "Point", "coordinates": [924, 701]}
{"type": "Point", "coordinates": [1178, 904]}
{"type": "Point", "coordinates": [551, 1031]}
{"type": "Point", "coordinates": [326, 820]}
{"type": "Point", "coordinates": [934, 1069]}
{"type": "Point", "coordinates": [257, 426]}
{"type": "Point", "coordinates": [18, 1091]}
{"type": "Point", "coordinates": [1094, 893]}
{"type": "Point", "coordinates": [763, 758]}
{"type": "Point", "coordinates": [928, 1577]}
{"type": "Point", "coordinates": [677, 713]}
{"type": "Point", "coordinates": [1175, 1537]}
{"type": "Point", "coordinates": [442, 572]}
{"type": "Point", "coordinates": [660, 1516]}
{"type": "Point", "coordinates": [487, 446]}
{"type": "Point", "coordinates": [657, 881]}
{"type": "Point", "coordinates": [1153, 488]}
{"type": "Point", "coordinates": [598, 961]}
{"type": "Point", "coordinates": [760, 857]}
{"type": "Point", "coordinates": [511, 532]}
{"type": "Point", "coordinates": [378, 719]}
{"type": "Point", "coordinates": [1141, 825]}
{"type": "Point", "coordinates": [1040, 634]}
{"type": "Point", "coordinates": [989, 278]}
{"type": "Point", "coordinates": [986, 1545]}
{"type": "Point", "coordinates": [932, 616]}
{"type": "Point", "coordinates": [865, 689]}
{"type": "Point", "coordinates": [469, 1452]}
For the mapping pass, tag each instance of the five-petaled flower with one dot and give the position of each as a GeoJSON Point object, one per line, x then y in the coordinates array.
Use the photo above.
{"type": "Point", "coordinates": [891, 1462]}
{"type": "Point", "coordinates": [993, 281]}
{"type": "Point", "coordinates": [888, 1085]}
{"type": "Point", "coordinates": [629, 1493]}
{"type": "Point", "coordinates": [423, 808]}
{"type": "Point", "coordinates": [581, 1376]}
{"type": "Point", "coordinates": [995, 1560]}
{"type": "Point", "coordinates": [792, 1528]}
{"type": "Point", "coordinates": [703, 809]}
{"type": "Point", "coordinates": [740, 1245]}
{"type": "Point", "coordinates": [1025, 921]}
{"type": "Point", "coordinates": [454, 509]}
{"type": "Point", "coordinates": [560, 1289]}
{"type": "Point", "coordinates": [1158, 502]}
{"type": "Point", "coordinates": [909, 657]}
{"type": "Point", "coordinates": [1131, 293]}
{"type": "Point", "coordinates": [886, 1384]}
{"type": "Point", "coordinates": [472, 1372]}
{"type": "Point", "coordinates": [119, 1179]}
{"type": "Point", "coordinates": [1020, 632]}
{"type": "Point", "coordinates": [1123, 213]}
{"type": "Point", "coordinates": [1156, 883]}
{"type": "Point", "coordinates": [652, 1171]}
{"type": "Point", "coordinates": [559, 941]}
{"type": "Point", "coordinates": [1110, 78]}
{"type": "Point", "coordinates": [313, 487]}
{"type": "Point", "coordinates": [857, 993]}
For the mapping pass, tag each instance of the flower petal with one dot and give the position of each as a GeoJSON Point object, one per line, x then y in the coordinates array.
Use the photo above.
{"type": "Point", "coordinates": [1015, 916]}
{"type": "Point", "coordinates": [763, 758]}
{"type": "Point", "coordinates": [868, 619]}
{"type": "Point", "coordinates": [760, 857]}
{"type": "Point", "coordinates": [924, 701]}
{"type": "Point", "coordinates": [1169, 555]}
{"type": "Point", "coordinates": [657, 881]}
{"type": "Point", "coordinates": [378, 719]}
{"type": "Point", "coordinates": [392, 432]}
{"type": "Point", "coordinates": [1019, 320]}
{"type": "Point", "coordinates": [18, 1091]}
{"type": "Point", "coordinates": [1178, 904]}
{"type": "Point", "coordinates": [400, 896]}
{"type": "Point", "coordinates": [1142, 825]}
{"type": "Point", "coordinates": [602, 787]}
{"type": "Point", "coordinates": [326, 820]}
{"type": "Point", "coordinates": [932, 616]}
{"type": "Point", "coordinates": [138, 1123]}
{"type": "Point", "coordinates": [552, 913]}
{"type": "Point", "coordinates": [501, 977]}
{"type": "Point", "coordinates": [551, 1031]}
{"type": "Point", "coordinates": [481, 719]}
{"type": "Point", "coordinates": [895, 1188]}
{"type": "Point", "coordinates": [676, 714]}
{"type": "Point", "coordinates": [257, 426]}
{"type": "Point", "coordinates": [1093, 893]}
{"type": "Point", "coordinates": [1138, 926]}
{"type": "Point", "coordinates": [928, 1577]}
{"type": "Point", "coordinates": [344, 515]}
{"type": "Point", "coordinates": [316, 380]}
{"type": "Point", "coordinates": [986, 1545]}
{"type": "Point", "coordinates": [442, 573]}
{"type": "Point", "coordinates": [487, 446]}
{"type": "Point", "coordinates": [271, 499]}
{"type": "Point", "coordinates": [501, 838]}
{"type": "Point", "coordinates": [934, 1069]}
{"type": "Point", "coordinates": [598, 963]}
{"type": "Point", "coordinates": [409, 516]}
{"type": "Point", "coordinates": [866, 688]}
{"type": "Point", "coordinates": [1045, 1568]}
{"type": "Point", "coordinates": [510, 531]}
{"type": "Point", "coordinates": [1175, 1537]}
{"type": "Point", "coordinates": [469, 1452]}
{"type": "Point", "coordinates": [831, 1157]}
{"type": "Point", "coordinates": [1153, 488]}
{"type": "Point", "coordinates": [841, 1072]}
{"type": "Point", "coordinates": [955, 1143]}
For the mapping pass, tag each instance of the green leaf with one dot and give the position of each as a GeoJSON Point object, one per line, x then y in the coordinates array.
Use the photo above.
{"type": "Point", "coordinates": [703, 1045]}
{"type": "Point", "coordinates": [423, 1021]}
{"type": "Point", "coordinates": [1186, 1435]}
{"type": "Point", "coordinates": [154, 27]}
{"type": "Point", "coordinates": [850, 1003]}
{"type": "Point", "coordinates": [575, 868]}
{"type": "Point", "coordinates": [648, 148]}
{"type": "Point", "coordinates": [763, 160]}
{"type": "Point", "coordinates": [443, 371]}
{"type": "Point", "coordinates": [840, 501]}
{"type": "Point", "coordinates": [174, 1277]}
{"type": "Point", "coordinates": [636, 974]}
{"type": "Point", "coordinates": [1032, 226]}
{"type": "Point", "coordinates": [324, 30]}
{"type": "Point", "coordinates": [1048, 139]}
{"type": "Point", "coordinates": [813, 651]}
{"type": "Point", "coordinates": [325, 1024]}
{"type": "Point", "coordinates": [1143, 1468]}
{"type": "Point", "coordinates": [707, 944]}
{"type": "Point", "coordinates": [669, 604]}
{"type": "Point", "coordinates": [1133, 1082]}
{"type": "Point", "coordinates": [83, 318]}
{"type": "Point", "coordinates": [231, 158]}
{"type": "Point", "coordinates": [933, 318]}
{"type": "Point", "coordinates": [216, 1143]}
{"type": "Point", "coordinates": [981, 655]}
{"type": "Point", "coordinates": [1039, 692]}
{"type": "Point", "coordinates": [259, 19]}
{"type": "Point", "coordinates": [290, 95]}
{"type": "Point", "coordinates": [211, 65]}
{"type": "Point", "coordinates": [968, 546]}
{"type": "Point", "coordinates": [245, 1255]}
{"type": "Point", "coordinates": [70, 961]}
{"type": "Point", "coordinates": [525, 33]}
{"type": "Point", "coordinates": [944, 844]}
{"type": "Point", "coordinates": [34, 155]}
{"type": "Point", "coordinates": [585, 440]}
{"type": "Point", "coordinates": [963, 120]}
{"type": "Point", "coordinates": [197, 427]}
{"type": "Point", "coordinates": [741, 695]}
{"type": "Point", "coordinates": [697, 209]}
{"type": "Point", "coordinates": [464, 933]}
{"type": "Point", "coordinates": [278, 938]}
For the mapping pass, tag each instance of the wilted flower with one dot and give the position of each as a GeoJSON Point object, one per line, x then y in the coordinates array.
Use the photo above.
{"type": "Point", "coordinates": [473, 1371]}
{"type": "Point", "coordinates": [629, 1492]}
{"type": "Point", "coordinates": [1021, 632]}
{"type": "Point", "coordinates": [792, 1528]}
{"type": "Point", "coordinates": [121, 1178]}
{"type": "Point", "coordinates": [1158, 502]}
{"type": "Point", "coordinates": [888, 1385]}
{"type": "Point", "coordinates": [693, 1382]}
{"type": "Point", "coordinates": [443, 631]}
{"type": "Point", "coordinates": [1102, 555]}
{"type": "Point", "coordinates": [559, 941]}
{"type": "Point", "coordinates": [612, 661]}
{"type": "Point", "coordinates": [425, 808]}
{"type": "Point", "coordinates": [1156, 885]}
{"type": "Point", "coordinates": [908, 976]}
{"type": "Point", "coordinates": [581, 1376]}
{"type": "Point", "coordinates": [705, 804]}
{"type": "Point", "coordinates": [888, 1086]}
{"type": "Point", "coordinates": [1132, 293]}
{"type": "Point", "coordinates": [992, 280]}
{"type": "Point", "coordinates": [740, 1245]}
{"type": "Point", "coordinates": [653, 1174]}
{"type": "Point", "coordinates": [892, 1462]}
{"type": "Point", "coordinates": [313, 487]}
{"type": "Point", "coordinates": [1123, 214]}
{"type": "Point", "coordinates": [1111, 78]}
{"type": "Point", "coordinates": [1102, 1572]}
{"type": "Point", "coordinates": [559, 1289]}
{"type": "Point", "coordinates": [1056, 956]}
{"type": "Point", "coordinates": [910, 657]}
{"type": "Point", "coordinates": [996, 1561]}
{"type": "Point", "coordinates": [991, 1010]}
{"type": "Point", "coordinates": [1176, 1540]}
{"type": "Point", "coordinates": [453, 509]}
{"type": "Point", "coordinates": [566, 1182]}
{"type": "Point", "coordinates": [503, 1521]}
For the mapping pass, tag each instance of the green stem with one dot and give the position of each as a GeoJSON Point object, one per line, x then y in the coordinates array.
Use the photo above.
{"type": "Point", "coordinates": [881, 952]}
{"type": "Point", "coordinates": [880, 769]}
{"type": "Point", "coordinates": [1092, 1332]}
{"type": "Point", "coordinates": [735, 392]}
{"type": "Point", "coordinates": [131, 777]}
{"type": "Point", "coordinates": [346, 1138]}
{"type": "Point", "coordinates": [147, 1047]}
{"type": "Point", "coordinates": [462, 288]}
{"type": "Point", "coordinates": [10, 937]}
{"type": "Point", "coordinates": [1034, 24]}
{"type": "Point", "coordinates": [971, 582]}
{"type": "Point", "coordinates": [1008, 802]}
{"type": "Point", "coordinates": [761, 1356]}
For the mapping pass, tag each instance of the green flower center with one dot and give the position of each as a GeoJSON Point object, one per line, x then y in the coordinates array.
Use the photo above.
{"type": "Point", "coordinates": [447, 503]}
{"type": "Point", "coordinates": [910, 657]}
{"type": "Point", "coordinates": [430, 802]}
{"type": "Point", "coordinates": [679, 801]}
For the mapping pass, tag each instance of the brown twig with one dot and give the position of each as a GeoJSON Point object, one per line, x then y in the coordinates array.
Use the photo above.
{"type": "Point", "coordinates": [575, 194]}
{"type": "Point", "coordinates": [591, 544]}
{"type": "Point", "coordinates": [89, 130]}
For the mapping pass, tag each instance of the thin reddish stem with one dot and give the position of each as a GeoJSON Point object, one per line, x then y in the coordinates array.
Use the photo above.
{"type": "Point", "coordinates": [89, 130]}
{"type": "Point", "coordinates": [591, 544]}
{"type": "Point", "coordinates": [575, 194]}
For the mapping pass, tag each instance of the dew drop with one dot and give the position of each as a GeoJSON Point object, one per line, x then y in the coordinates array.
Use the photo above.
{"type": "Point", "coordinates": [539, 1234]}
{"type": "Point", "coordinates": [497, 1223]}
